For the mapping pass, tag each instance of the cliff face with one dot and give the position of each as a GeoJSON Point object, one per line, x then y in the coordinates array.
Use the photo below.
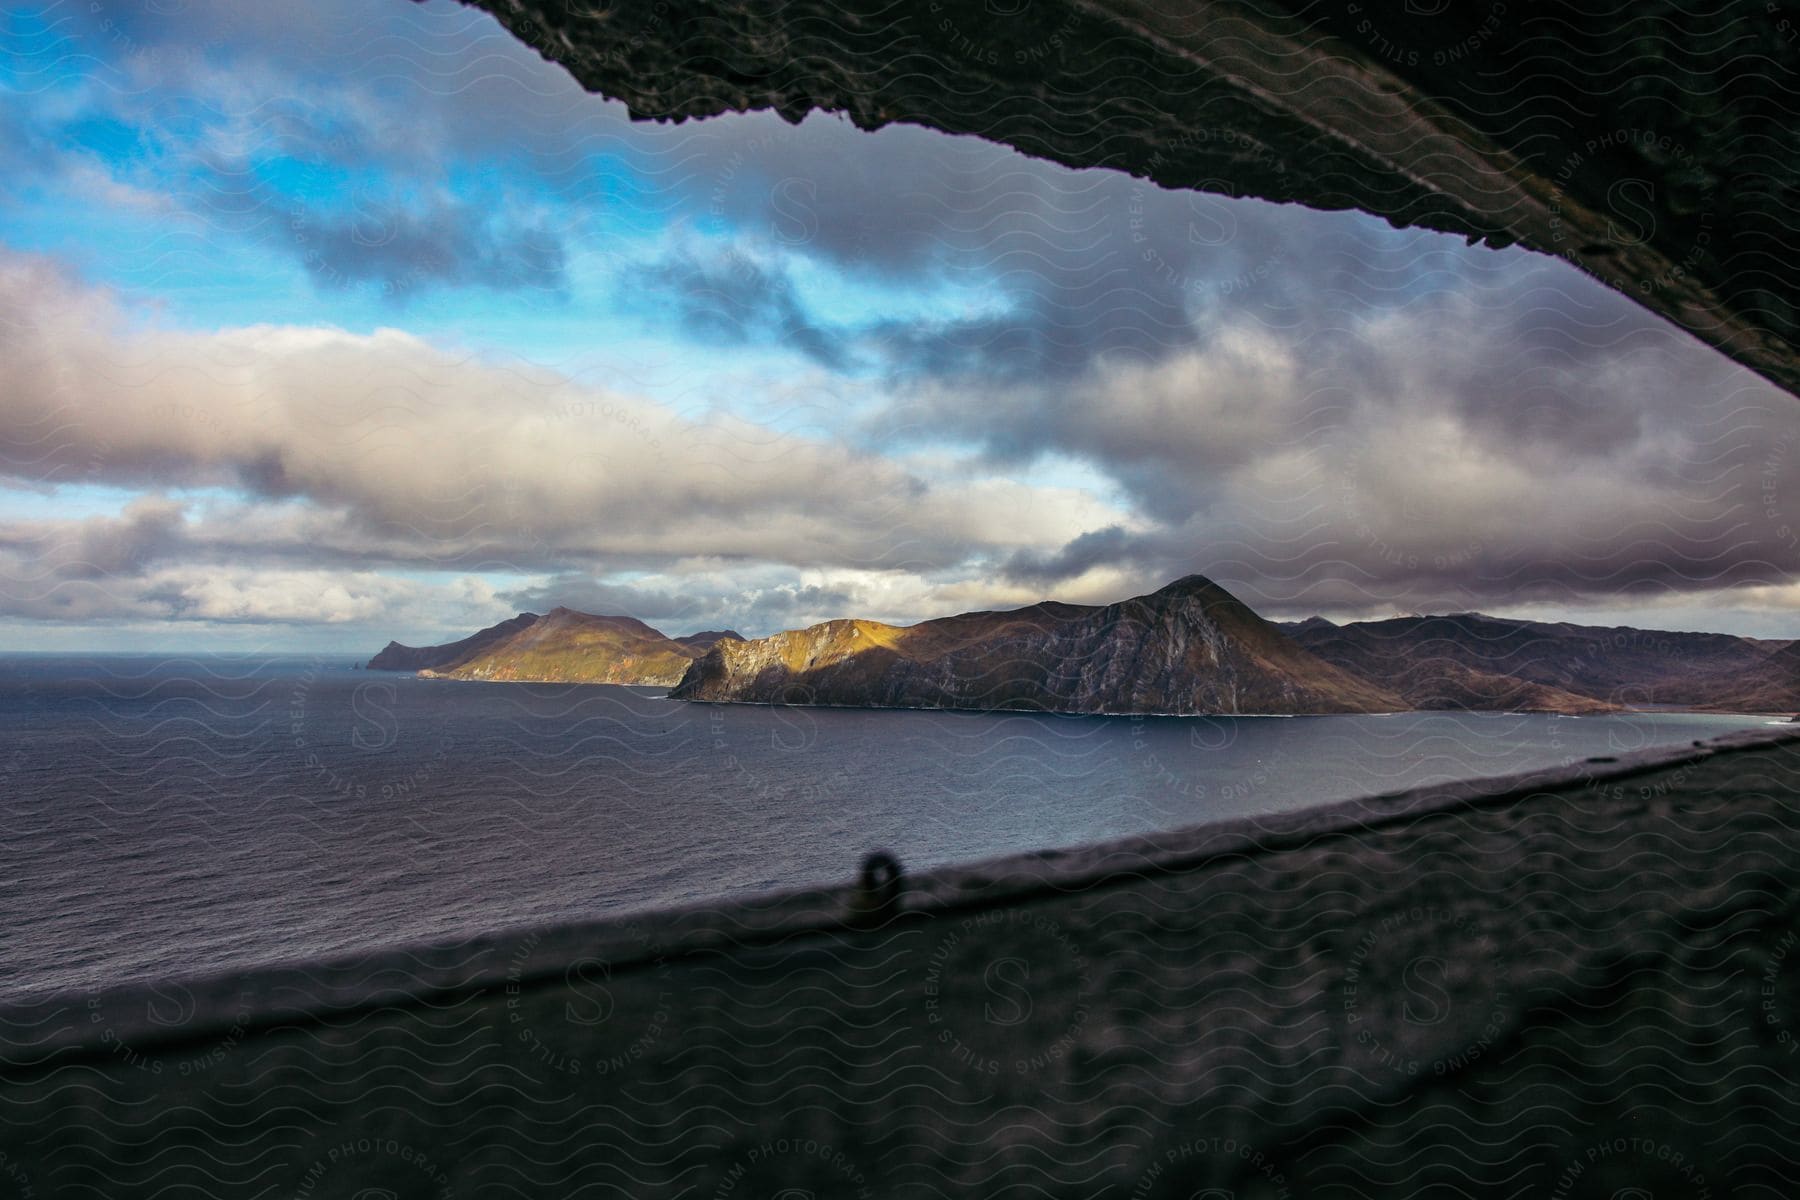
{"type": "Point", "coordinates": [1468, 660]}
{"type": "Point", "coordinates": [395, 657]}
{"type": "Point", "coordinates": [1189, 648]}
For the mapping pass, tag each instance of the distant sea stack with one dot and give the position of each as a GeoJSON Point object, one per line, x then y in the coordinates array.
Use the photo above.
{"type": "Point", "coordinates": [1189, 648]}
{"type": "Point", "coordinates": [562, 646]}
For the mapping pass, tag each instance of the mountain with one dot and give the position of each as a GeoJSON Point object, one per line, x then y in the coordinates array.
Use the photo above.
{"type": "Point", "coordinates": [562, 646]}
{"type": "Point", "coordinates": [1774, 687]}
{"type": "Point", "coordinates": [395, 657]}
{"type": "Point", "coordinates": [1191, 647]}
{"type": "Point", "coordinates": [700, 643]}
{"type": "Point", "coordinates": [1467, 660]}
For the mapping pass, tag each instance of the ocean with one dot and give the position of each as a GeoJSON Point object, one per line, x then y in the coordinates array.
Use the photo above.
{"type": "Point", "coordinates": [178, 816]}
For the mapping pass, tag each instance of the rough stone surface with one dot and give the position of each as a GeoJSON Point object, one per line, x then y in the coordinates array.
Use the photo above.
{"type": "Point", "coordinates": [1562, 985]}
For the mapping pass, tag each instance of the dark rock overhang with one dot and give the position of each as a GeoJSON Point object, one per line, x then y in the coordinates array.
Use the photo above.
{"type": "Point", "coordinates": [1654, 146]}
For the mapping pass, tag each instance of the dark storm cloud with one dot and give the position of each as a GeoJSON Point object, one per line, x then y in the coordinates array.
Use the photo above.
{"type": "Point", "coordinates": [1099, 270]}
{"type": "Point", "coordinates": [1111, 546]}
{"type": "Point", "coordinates": [1525, 357]}
{"type": "Point", "coordinates": [731, 299]}
{"type": "Point", "coordinates": [1036, 274]}
{"type": "Point", "coordinates": [1510, 433]}
{"type": "Point", "coordinates": [450, 244]}
{"type": "Point", "coordinates": [149, 531]}
{"type": "Point", "coordinates": [1077, 265]}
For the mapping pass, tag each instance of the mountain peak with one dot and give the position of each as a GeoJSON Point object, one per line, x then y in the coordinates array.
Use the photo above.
{"type": "Point", "coordinates": [1197, 591]}
{"type": "Point", "coordinates": [1186, 584]}
{"type": "Point", "coordinates": [563, 646]}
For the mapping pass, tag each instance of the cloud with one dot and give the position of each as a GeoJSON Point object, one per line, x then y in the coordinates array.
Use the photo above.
{"type": "Point", "coordinates": [728, 298]}
{"type": "Point", "coordinates": [421, 146]}
{"type": "Point", "coordinates": [1110, 546]}
{"type": "Point", "coordinates": [263, 597]}
{"type": "Point", "coordinates": [149, 529]}
{"type": "Point", "coordinates": [1415, 457]}
{"type": "Point", "coordinates": [329, 137]}
{"type": "Point", "coordinates": [138, 590]}
{"type": "Point", "coordinates": [447, 243]}
{"type": "Point", "coordinates": [751, 601]}
{"type": "Point", "coordinates": [1317, 409]}
{"type": "Point", "coordinates": [384, 450]}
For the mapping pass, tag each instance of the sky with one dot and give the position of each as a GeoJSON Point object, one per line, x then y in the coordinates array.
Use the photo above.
{"type": "Point", "coordinates": [327, 324]}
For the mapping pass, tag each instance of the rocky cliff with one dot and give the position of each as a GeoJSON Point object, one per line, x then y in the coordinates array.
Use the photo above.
{"type": "Point", "coordinates": [562, 646]}
{"type": "Point", "coordinates": [1191, 647]}
{"type": "Point", "coordinates": [395, 657]}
